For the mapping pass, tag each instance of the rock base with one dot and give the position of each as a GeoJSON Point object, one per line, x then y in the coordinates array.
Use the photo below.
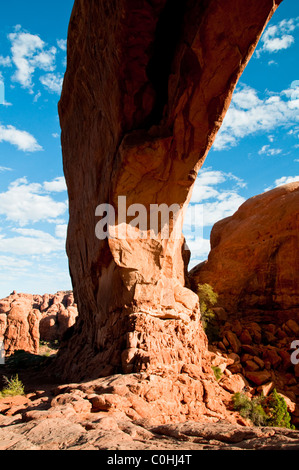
{"type": "Point", "coordinates": [131, 412]}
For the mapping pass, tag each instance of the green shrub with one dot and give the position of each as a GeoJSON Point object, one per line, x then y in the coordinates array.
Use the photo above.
{"type": "Point", "coordinates": [207, 299]}
{"type": "Point", "coordinates": [217, 372]}
{"type": "Point", "coordinates": [278, 412]}
{"type": "Point", "coordinates": [13, 388]}
{"type": "Point", "coordinates": [250, 409]}
{"type": "Point", "coordinates": [263, 411]}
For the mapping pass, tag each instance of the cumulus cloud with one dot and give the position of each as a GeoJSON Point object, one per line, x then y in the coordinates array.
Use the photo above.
{"type": "Point", "coordinates": [26, 202]}
{"type": "Point", "coordinates": [57, 185]}
{"type": "Point", "coordinates": [53, 82]}
{"type": "Point", "coordinates": [21, 139]}
{"type": "Point", "coordinates": [250, 114]}
{"type": "Point", "coordinates": [278, 37]}
{"type": "Point", "coordinates": [29, 52]}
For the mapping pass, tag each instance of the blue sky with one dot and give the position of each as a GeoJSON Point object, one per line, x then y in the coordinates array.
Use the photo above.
{"type": "Point", "coordinates": [256, 149]}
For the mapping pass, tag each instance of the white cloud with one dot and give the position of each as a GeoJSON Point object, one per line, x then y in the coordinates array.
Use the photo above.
{"type": "Point", "coordinates": [57, 185]}
{"type": "Point", "coordinates": [9, 263]}
{"type": "Point", "coordinates": [204, 187]}
{"type": "Point", "coordinates": [267, 150]}
{"type": "Point", "coordinates": [37, 97]}
{"type": "Point", "coordinates": [226, 205]}
{"type": "Point", "coordinates": [286, 180]}
{"type": "Point", "coordinates": [29, 52]}
{"type": "Point", "coordinates": [210, 204]}
{"type": "Point", "coordinates": [61, 231]}
{"type": "Point", "coordinates": [278, 37]}
{"type": "Point", "coordinates": [31, 242]}
{"type": "Point", "coordinates": [21, 139]}
{"type": "Point", "coordinates": [200, 249]}
{"type": "Point", "coordinates": [249, 114]}
{"type": "Point", "coordinates": [62, 44]}
{"type": "Point", "coordinates": [5, 61]}
{"type": "Point", "coordinates": [52, 82]}
{"type": "Point", "coordinates": [282, 181]}
{"type": "Point", "coordinates": [26, 202]}
{"type": "Point", "coordinates": [4, 168]}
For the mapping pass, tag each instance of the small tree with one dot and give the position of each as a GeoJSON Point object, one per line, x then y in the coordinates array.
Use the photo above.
{"type": "Point", "coordinates": [207, 299]}
{"type": "Point", "coordinates": [277, 411]}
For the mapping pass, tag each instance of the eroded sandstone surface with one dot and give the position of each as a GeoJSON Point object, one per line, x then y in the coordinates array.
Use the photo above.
{"type": "Point", "coordinates": [146, 89]}
{"type": "Point", "coordinates": [254, 258]}
{"type": "Point", "coordinates": [106, 415]}
{"type": "Point", "coordinates": [109, 414]}
{"type": "Point", "coordinates": [26, 320]}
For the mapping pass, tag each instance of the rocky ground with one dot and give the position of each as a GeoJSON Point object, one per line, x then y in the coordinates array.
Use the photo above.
{"type": "Point", "coordinates": [260, 355]}
{"type": "Point", "coordinates": [82, 417]}
{"type": "Point", "coordinates": [143, 411]}
{"type": "Point", "coordinates": [121, 412]}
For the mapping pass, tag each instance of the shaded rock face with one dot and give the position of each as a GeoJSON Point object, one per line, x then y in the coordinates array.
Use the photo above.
{"type": "Point", "coordinates": [146, 89]}
{"type": "Point", "coordinates": [254, 258]}
{"type": "Point", "coordinates": [27, 319]}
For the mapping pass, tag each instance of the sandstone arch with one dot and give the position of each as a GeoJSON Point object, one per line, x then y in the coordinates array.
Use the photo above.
{"type": "Point", "coordinates": [146, 89]}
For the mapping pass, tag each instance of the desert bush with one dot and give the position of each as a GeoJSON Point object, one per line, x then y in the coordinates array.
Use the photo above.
{"type": "Point", "coordinates": [13, 387]}
{"type": "Point", "coordinates": [250, 409]}
{"type": "Point", "coordinates": [263, 411]}
{"type": "Point", "coordinates": [207, 299]}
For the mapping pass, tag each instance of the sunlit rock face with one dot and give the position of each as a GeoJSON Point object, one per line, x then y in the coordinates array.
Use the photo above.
{"type": "Point", "coordinates": [254, 259]}
{"type": "Point", "coordinates": [146, 89]}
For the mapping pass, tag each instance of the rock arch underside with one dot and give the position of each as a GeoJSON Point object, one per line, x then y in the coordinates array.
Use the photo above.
{"type": "Point", "coordinates": [147, 86]}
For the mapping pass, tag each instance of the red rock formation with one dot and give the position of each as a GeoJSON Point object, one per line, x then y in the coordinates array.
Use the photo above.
{"type": "Point", "coordinates": [146, 89]}
{"type": "Point", "coordinates": [26, 319]}
{"type": "Point", "coordinates": [254, 258]}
